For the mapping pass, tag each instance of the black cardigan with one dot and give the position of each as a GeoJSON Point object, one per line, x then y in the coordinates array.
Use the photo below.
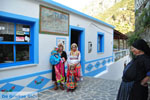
{"type": "Point", "coordinates": [140, 66]}
{"type": "Point", "coordinates": [63, 54]}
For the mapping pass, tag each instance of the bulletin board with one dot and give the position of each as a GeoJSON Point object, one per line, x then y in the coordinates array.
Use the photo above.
{"type": "Point", "coordinates": [53, 21]}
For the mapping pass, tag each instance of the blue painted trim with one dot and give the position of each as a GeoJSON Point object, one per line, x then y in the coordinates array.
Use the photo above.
{"type": "Point", "coordinates": [95, 72]}
{"type": "Point", "coordinates": [77, 12]}
{"type": "Point", "coordinates": [15, 43]}
{"type": "Point", "coordinates": [97, 59]}
{"type": "Point", "coordinates": [17, 17]}
{"type": "Point", "coordinates": [36, 42]}
{"type": "Point", "coordinates": [34, 37]}
{"type": "Point", "coordinates": [82, 44]}
{"type": "Point", "coordinates": [102, 44]}
{"type": "Point", "coordinates": [14, 53]}
{"type": "Point", "coordinates": [65, 42]}
{"type": "Point", "coordinates": [24, 76]}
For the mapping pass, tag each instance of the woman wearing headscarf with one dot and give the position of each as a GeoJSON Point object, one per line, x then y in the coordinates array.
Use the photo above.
{"type": "Point", "coordinates": [74, 66]}
{"type": "Point", "coordinates": [58, 69]}
{"type": "Point", "coordinates": [136, 74]}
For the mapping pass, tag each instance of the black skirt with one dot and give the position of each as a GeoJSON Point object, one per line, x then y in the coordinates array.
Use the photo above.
{"type": "Point", "coordinates": [124, 90]}
{"type": "Point", "coordinates": [138, 92]}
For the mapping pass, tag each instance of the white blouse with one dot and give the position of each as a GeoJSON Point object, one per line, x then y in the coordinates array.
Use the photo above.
{"type": "Point", "coordinates": [74, 59]}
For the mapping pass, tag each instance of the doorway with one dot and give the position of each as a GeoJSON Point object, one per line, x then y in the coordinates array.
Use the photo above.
{"type": "Point", "coordinates": [75, 38]}
{"type": "Point", "coordinates": [77, 35]}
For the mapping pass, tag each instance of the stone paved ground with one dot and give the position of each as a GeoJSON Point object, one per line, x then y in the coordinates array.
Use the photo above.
{"type": "Point", "coordinates": [88, 89]}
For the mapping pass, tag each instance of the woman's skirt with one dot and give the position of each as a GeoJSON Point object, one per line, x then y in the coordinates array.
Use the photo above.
{"type": "Point", "coordinates": [124, 90]}
{"type": "Point", "coordinates": [139, 92]}
{"type": "Point", "coordinates": [57, 72]}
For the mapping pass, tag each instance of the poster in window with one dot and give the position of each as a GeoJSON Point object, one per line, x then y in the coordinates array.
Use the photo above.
{"type": "Point", "coordinates": [53, 21]}
{"type": "Point", "coordinates": [61, 41]}
{"type": "Point", "coordinates": [19, 33]}
{"type": "Point", "coordinates": [20, 39]}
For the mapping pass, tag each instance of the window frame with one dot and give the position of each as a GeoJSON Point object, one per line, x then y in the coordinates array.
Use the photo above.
{"type": "Point", "coordinates": [102, 45]}
{"type": "Point", "coordinates": [33, 43]}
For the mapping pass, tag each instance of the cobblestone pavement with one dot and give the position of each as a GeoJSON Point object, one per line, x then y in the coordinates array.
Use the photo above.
{"type": "Point", "coordinates": [88, 89]}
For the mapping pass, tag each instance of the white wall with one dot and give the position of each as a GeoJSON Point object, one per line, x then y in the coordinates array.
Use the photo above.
{"type": "Point", "coordinates": [115, 70]}
{"type": "Point", "coordinates": [91, 29]}
{"type": "Point", "coordinates": [48, 42]}
{"type": "Point", "coordinates": [22, 7]}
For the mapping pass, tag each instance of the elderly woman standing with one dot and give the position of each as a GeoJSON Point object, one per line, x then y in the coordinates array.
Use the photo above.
{"type": "Point", "coordinates": [73, 64]}
{"type": "Point", "coordinates": [58, 71]}
{"type": "Point", "coordinates": [136, 74]}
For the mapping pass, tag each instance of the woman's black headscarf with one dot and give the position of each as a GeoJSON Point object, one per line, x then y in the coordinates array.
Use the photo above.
{"type": "Point", "coordinates": [142, 45]}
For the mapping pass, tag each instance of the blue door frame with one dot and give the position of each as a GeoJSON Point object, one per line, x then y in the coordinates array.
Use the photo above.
{"type": "Point", "coordinates": [82, 44]}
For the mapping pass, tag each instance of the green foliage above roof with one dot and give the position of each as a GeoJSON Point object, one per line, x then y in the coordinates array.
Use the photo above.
{"type": "Point", "coordinates": [121, 15]}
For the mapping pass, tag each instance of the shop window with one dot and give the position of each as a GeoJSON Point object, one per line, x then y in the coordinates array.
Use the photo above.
{"type": "Point", "coordinates": [15, 44]}
{"type": "Point", "coordinates": [100, 42]}
{"type": "Point", "coordinates": [18, 40]}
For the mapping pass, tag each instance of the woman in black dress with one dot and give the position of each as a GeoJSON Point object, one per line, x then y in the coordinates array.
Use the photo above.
{"type": "Point", "coordinates": [64, 58]}
{"type": "Point", "coordinates": [136, 74]}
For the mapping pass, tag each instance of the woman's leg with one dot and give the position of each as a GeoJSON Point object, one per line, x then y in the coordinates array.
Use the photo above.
{"type": "Point", "coordinates": [54, 78]}
{"type": "Point", "coordinates": [62, 86]}
{"type": "Point", "coordinates": [55, 86]}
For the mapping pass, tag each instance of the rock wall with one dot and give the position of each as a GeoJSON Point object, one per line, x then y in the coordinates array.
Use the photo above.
{"type": "Point", "coordinates": [140, 5]}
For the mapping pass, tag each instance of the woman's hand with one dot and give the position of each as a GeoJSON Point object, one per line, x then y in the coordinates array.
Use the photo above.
{"type": "Point", "coordinates": [64, 60]}
{"type": "Point", "coordinates": [56, 56]}
{"type": "Point", "coordinates": [145, 80]}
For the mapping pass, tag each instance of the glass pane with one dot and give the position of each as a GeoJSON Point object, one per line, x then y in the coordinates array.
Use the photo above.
{"type": "Point", "coordinates": [22, 52]}
{"type": "Point", "coordinates": [6, 53]}
{"type": "Point", "coordinates": [6, 31]}
{"type": "Point", "coordinates": [22, 33]}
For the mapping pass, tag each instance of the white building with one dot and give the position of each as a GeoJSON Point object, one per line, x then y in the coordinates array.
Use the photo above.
{"type": "Point", "coordinates": [30, 29]}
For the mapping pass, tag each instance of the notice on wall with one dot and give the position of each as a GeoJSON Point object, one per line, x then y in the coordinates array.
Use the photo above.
{"type": "Point", "coordinates": [53, 21]}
